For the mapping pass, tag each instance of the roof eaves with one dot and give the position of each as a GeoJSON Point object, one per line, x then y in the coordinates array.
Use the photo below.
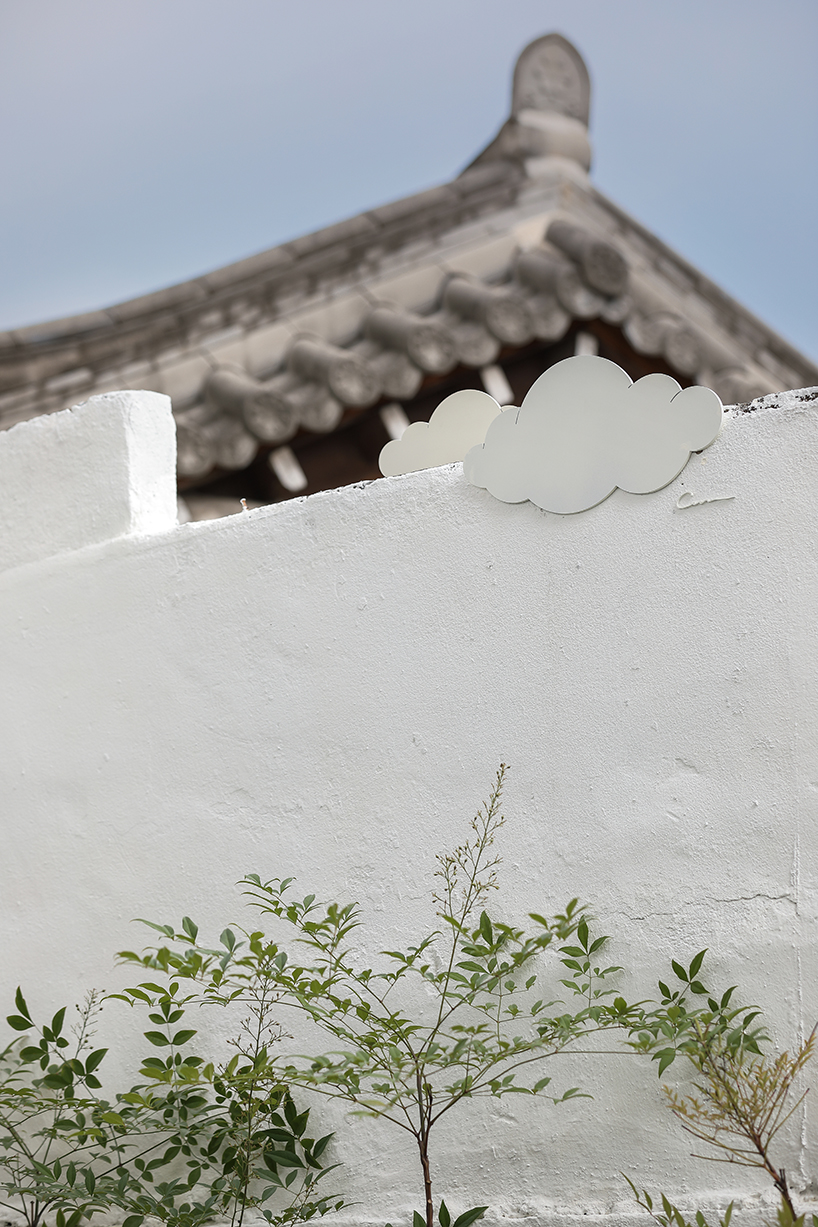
{"type": "Point", "coordinates": [311, 255]}
{"type": "Point", "coordinates": [737, 318]}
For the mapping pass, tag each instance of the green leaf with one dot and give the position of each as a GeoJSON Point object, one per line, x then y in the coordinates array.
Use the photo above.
{"type": "Point", "coordinates": [291, 1113]}
{"type": "Point", "coordinates": [574, 1093]}
{"type": "Point", "coordinates": [321, 1145]}
{"type": "Point", "coordinates": [679, 970]}
{"type": "Point", "coordinates": [444, 1216]}
{"type": "Point", "coordinates": [486, 930]}
{"type": "Point", "coordinates": [20, 1002]}
{"type": "Point", "coordinates": [470, 1216]}
{"type": "Point", "coordinates": [666, 1057]}
{"type": "Point", "coordinates": [157, 1039]}
{"type": "Point", "coordinates": [95, 1060]}
{"type": "Point", "coordinates": [190, 928]}
{"type": "Point", "coordinates": [166, 929]}
{"type": "Point", "coordinates": [19, 1024]}
{"type": "Point", "coordinates": [696, 964]}
{"type": "Point", "coordinates": [285, 1158]}
{"type": "Point", "coordinates": [133, 1220]}
{"type": "Point", "coordinates": [284, 1135]}
{"type": "Point", "coordinates": [418, 1220]}
{"type": "Point", "coordinates": [57, 1021]}
{"type": "Point", "coordinates": [582, 934]}
{"type": "Point", "coordinates": [58, 1082]}
{"type": "Point", "coordinates": [182, 1037]}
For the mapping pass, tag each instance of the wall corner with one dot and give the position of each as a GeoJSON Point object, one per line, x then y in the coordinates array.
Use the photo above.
{"type": "Point", "coordinates": [101, 470]}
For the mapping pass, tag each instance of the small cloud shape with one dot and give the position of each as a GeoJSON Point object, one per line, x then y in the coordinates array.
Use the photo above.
{"type": "Point", "coordinates": [459, 423]}
{"type": "Point", "coordinates": [585, 428]}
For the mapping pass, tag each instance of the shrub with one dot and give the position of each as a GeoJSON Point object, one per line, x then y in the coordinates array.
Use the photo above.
{"type": "Point", "coordinates": [485, 1031]}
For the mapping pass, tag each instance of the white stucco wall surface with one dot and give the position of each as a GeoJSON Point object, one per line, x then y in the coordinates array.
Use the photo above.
{"type": "Point", "coordinates": [325, 688]}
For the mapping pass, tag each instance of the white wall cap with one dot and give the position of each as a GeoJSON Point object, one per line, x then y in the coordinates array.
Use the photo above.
{"type": "Point", "coordinates": [104, 469]}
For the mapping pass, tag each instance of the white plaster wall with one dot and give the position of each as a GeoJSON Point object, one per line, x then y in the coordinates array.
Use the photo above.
{"type": "Point", "coordinates": [326, 687]}
{"type": "Point", "coordinates": [100, 470]}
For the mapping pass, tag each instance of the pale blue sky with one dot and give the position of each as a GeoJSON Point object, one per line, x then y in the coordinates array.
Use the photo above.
{"type": "Point", "coordinates": [146, 141]}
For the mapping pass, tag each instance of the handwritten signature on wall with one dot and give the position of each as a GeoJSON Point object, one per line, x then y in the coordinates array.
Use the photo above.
{"type": "Point", "coordinates": [689, 499]}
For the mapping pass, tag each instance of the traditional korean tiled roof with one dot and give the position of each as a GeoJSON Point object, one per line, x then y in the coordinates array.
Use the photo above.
{"type": "Point", "coordinates": [323, 346]}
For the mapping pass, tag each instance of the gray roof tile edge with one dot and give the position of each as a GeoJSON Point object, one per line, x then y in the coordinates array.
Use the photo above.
{"type": "Point", "coordinates": [399, 223]}
{"type": "Point", "coordinates": [447, 200]}
{"type": "Point", "coordinates": [709, 290]}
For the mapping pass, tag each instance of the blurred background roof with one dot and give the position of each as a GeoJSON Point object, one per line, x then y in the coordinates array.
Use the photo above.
{"type": "Point", "coordinates": [148, 142]}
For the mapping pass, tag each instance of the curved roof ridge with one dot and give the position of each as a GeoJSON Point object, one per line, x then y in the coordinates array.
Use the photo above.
{"type": "Point", "coordinates": [446, 200]}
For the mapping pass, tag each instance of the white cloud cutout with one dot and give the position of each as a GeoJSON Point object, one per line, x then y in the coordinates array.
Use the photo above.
{"type": "Point", "coordinates": [459, 422]}
{"type": "Point", "coordinates": [585, 428]}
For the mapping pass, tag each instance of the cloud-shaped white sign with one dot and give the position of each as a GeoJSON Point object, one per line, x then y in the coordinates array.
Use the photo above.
{"type": "Point", "coordinates": [585, 428]}
{"type": "Point", "coordinates": [459, 422]}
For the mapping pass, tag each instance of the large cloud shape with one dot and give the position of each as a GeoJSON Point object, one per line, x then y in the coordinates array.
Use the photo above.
{"type": "Point", "coordinates": [459, 422]}
{"type": "Point", "coordinates": [585, 428]}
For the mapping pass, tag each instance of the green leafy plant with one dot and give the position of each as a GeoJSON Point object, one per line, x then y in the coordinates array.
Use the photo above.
{"type": "Point", "coordinates": [257, 1153]}
{"type": "Point", "coordinates": [197, 1139]}
{"type": "Point", "coordinates": [485, 1031]}
{"type": "Point", "coordinates": [743, 1097]}
{"type": "Point", "coordinates": [444, 1218]}
{"type": "Point", "coordinates": [670, 1215]}
{"type": "Point", "coordinates": [64, 1150]}
{"type": "Point", "coordinates": [170, 1149]}
{"type": "Point", "coordinates": [743, 1101]}
{"type": "Point", "coordinates": [673, 1028]}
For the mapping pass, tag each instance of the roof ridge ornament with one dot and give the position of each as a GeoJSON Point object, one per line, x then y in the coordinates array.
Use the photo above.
{"type": "Point", "coordinates": [550, 76]}
{"type": "Point", "coordinates": [550, 107]}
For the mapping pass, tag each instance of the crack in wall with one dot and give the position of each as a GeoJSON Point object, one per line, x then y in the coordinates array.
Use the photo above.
{"type": "Point", "coordinates": [690, 903]}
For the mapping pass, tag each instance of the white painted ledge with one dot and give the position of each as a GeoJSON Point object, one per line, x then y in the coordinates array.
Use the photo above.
{"type": "Point", "coordinates": [102, 470]}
